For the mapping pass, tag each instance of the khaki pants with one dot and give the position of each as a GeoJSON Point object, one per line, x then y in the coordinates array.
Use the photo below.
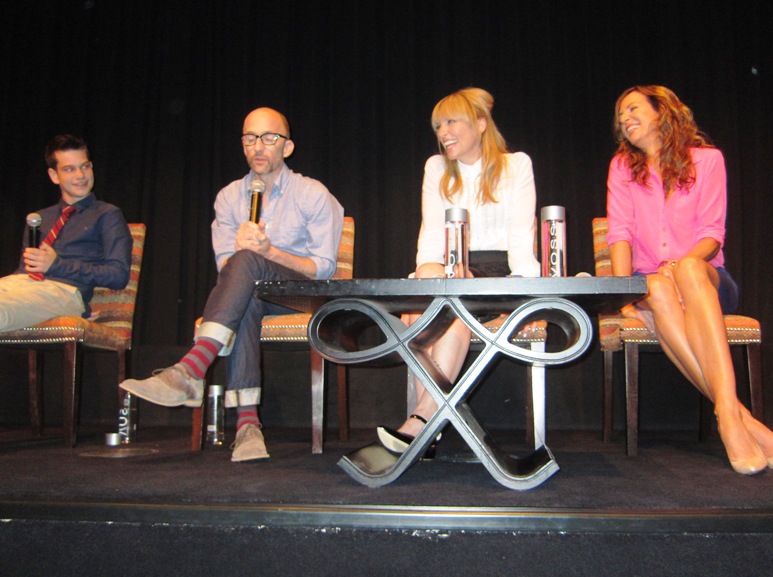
{"type": "Point", "coordinates": [25, 302]}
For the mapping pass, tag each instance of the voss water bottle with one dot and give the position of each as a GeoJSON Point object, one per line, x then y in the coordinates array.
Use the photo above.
{"type": "Point", "coordinates": [127, 417]}
{"type": "Point", "coordinates": [457, 243]}
{"type": "Point", "coordinates": [553, 241]}
{"type": "Point", "coordinates": [215, 415]}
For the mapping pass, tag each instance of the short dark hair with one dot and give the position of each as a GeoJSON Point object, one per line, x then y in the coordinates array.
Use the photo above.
{"type": "Point", "coordinates": [64, 142]}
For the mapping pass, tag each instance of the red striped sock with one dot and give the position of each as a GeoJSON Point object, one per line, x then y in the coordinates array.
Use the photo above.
{"type": "Point", "coordinates": [247, 415]}
{"type": "Point", "coordinates": [201, 357]}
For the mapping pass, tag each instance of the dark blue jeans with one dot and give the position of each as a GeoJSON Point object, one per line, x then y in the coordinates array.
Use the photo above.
{"type": "Point", "coordinates": [728, 292]}
{"type": "Point", "coordinates": [232, 303]}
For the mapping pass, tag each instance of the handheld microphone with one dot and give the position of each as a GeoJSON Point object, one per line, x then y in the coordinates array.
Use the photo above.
{"type": "Point", "coordinates": [257, 188]}
{"type": "Point", "coordinates": [33, 222]}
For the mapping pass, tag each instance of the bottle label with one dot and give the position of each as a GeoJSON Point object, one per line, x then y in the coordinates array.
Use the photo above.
{"type": "Point", "coordinates": [127, 419]}
{"type": "Point", "coordinates": [553, 249]}
{"type": "Point", "coordinates": [457, 250]}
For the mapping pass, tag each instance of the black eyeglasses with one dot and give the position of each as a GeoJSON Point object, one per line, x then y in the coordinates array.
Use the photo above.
{"type": "Point", "coordinates": [268, 138]}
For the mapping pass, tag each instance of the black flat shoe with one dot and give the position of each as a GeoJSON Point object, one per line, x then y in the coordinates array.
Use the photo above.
{"type": "Point", "coordinates": [397, 442]}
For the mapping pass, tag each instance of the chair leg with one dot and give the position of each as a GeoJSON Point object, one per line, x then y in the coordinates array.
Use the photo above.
{"type": "Point", "coordinates": [535, 418]}
{"type": "Point", "coordinates": [528, 407]}
{"type": "Point", "coordinates": [70, 394]}
{"type": "Point", "coordinates": [608, 394]}
{"type": "Point", "coordinates": [35, 377]}
{"type": "Point", "coordinates": [755, 381]}
{"type": "Point", "coordinates": [632, 397]}
{"type": "Point", "coordinates": [343, 403]}
{"type": "Point", "coordinates": [317, 401]}
{"type": "Point", "coordinates": [123, 364]}
{"type": "Point", "coordinates": [535, 400]}
{"type": "Point", "coordinates": [197, 426]}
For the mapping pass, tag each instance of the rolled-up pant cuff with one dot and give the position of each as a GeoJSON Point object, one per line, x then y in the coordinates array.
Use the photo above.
{"type": "Point", "coordinates": [242, 397]}
{"type": "Point", "coordinates": [218, 332]}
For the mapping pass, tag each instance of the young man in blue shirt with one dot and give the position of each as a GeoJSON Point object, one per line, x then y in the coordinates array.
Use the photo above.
{"type": "Point", "coordinates": [84, 243]}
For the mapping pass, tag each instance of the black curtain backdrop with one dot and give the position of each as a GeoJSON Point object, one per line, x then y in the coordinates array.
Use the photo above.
{"type": "Point", "coordinates": [160, 89]}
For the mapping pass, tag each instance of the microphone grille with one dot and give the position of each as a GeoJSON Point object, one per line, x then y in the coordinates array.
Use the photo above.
{"type": "Point", "coordinates": [34, 220]}
{"type": "Point", "coordinates": [257, 186]}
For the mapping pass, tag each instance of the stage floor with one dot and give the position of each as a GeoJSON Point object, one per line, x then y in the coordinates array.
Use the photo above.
{"type": "Point", "coordinates": [675, 484]}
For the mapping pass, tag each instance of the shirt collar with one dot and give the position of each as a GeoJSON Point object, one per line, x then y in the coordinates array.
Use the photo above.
{"type": "Point", "coordinates": [470, 168]}
{"type": "Point", "coordinates": [81, 205]}
{"type": "Point", "coordinates": [278, 187]}
{"type": "Point", "coordinates": [281, 184]}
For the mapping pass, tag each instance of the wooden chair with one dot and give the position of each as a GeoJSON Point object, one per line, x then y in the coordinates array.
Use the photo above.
{"type": "Point", "coordinates": [290, 332]}
{"type": "Point", "coordinates": [110, 330]}
{"type": "Point", "coordinates": [619, 333]}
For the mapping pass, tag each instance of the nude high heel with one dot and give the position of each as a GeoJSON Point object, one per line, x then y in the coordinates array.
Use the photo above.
{"type": "Point", "coordinates": [749, 465]}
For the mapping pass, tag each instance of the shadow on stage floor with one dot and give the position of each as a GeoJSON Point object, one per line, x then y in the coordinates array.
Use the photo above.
{"type": "Point", "coordinates": [676, 487]}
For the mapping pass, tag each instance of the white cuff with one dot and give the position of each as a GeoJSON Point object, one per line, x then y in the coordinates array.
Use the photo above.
{"type": "Point", "coordinates": [218, 332]}
{"type": "Point", "coordinates": [241, 397]}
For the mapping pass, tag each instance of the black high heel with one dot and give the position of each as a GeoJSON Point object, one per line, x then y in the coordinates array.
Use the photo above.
{"type": "Point", "coordinates": [397, 442]}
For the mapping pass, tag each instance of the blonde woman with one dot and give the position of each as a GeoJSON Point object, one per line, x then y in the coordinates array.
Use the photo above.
{"type": "Point", "coordinates": [475, 171]}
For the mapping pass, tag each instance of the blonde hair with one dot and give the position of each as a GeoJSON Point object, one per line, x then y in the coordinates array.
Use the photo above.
{"type": "Point", "coordinates": [677, 133]}
{"type": "Point", "coordinates": [473, 104]}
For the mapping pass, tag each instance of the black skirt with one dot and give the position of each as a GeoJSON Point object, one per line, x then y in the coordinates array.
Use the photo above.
{"type": "Point", "coordinates": [489, 263]}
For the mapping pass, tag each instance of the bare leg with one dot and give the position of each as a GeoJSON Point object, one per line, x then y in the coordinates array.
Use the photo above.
{"type": "Point", "coordinates": [696, 342]}
{"type": "Point", "coordinates": [448, 353]}
{"type": "Point", "coordinates": [664, 304]}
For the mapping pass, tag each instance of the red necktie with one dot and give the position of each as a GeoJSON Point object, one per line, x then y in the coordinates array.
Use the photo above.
{"type": "Point", "coordinates": [52, 234]}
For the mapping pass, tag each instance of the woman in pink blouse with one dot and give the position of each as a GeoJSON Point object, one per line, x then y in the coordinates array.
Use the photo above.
{"type": "Point", "coordinates": [474, 171]}
{"type": "Point", "coordinates": [666, 205]}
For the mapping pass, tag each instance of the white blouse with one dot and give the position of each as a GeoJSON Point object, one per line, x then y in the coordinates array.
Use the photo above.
{"type": "Point", "coordinates": [506, 225]}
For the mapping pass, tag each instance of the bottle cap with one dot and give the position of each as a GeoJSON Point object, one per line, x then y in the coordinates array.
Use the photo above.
{"type": "Point", "coordinates": [553, 213]}
{"type": "Point", "coordinates": [112, 439]}
{"type": "Point", "coordinates": [457, 214]}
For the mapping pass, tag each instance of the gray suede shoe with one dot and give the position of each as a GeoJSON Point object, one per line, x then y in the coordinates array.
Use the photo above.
{"type": "Point", "coordinates": [170, 387]}
{"type": "Point", "coordinates": [249, 445]}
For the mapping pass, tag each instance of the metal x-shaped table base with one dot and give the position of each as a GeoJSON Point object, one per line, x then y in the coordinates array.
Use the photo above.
{"type": "Point", "coordinates": [336, 329]}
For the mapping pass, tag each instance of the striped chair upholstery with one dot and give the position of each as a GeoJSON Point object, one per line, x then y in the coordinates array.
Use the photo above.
{"type": "Point", "coordinates": [109, 328]}
{"type": "Point", "coordinates": [291, 331]}
{"type": "Point", "coordinates": [619, 333]}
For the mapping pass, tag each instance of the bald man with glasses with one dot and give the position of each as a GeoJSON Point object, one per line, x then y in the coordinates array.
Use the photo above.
{"type": "Point", "coordinates": [296, 237]}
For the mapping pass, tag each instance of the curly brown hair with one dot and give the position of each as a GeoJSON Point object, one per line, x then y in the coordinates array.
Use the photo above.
{"type": "Point", "coordinates": [678, 132]}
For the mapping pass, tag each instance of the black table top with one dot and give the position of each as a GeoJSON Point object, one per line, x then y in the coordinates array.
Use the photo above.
{"type": "Point", "coordinates": [594, 294]}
